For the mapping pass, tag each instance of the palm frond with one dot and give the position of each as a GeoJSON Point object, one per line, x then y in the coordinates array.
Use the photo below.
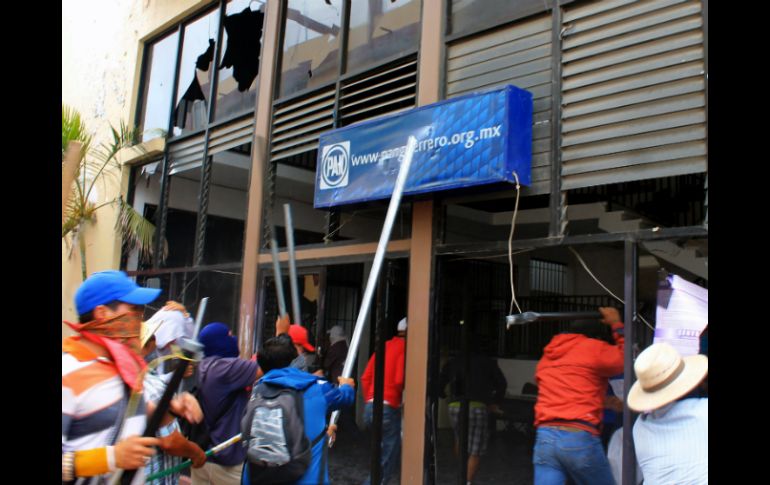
{"type": "Point", "coordinates": [138, 232]}
{"type": "Point", "coordinates": [73, 129]}
{"type": "Point", "coordinates": [96, 164]}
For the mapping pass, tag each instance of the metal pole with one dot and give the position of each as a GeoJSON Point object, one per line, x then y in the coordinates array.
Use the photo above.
{"type": "Point", "coordinates": [629, 458]}
{"type": "Point", "coordinates": [379, 255]}
{"type": "Point", "coordinates": [277, 274]}
{"type": "Point", "coordinates": [292, 264]}
{"type": "Point", "coordinates": [199, 317]}
{"type": "Point", "coordinates": [379, 378]}
{"type": "Point", "coordinates": [462, 387]}
{"type": "Point", "coordinates": [190, 349]}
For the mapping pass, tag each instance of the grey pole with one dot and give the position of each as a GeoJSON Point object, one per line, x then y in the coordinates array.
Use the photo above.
{"type": "Point", "coordinates": [199, 316]}
{"type": "Point", "coordinates": [277, 274]}
{"type": "Point", "coordinates": [629, 456]}
{"type": "Point", "coordinates": [292, 264]}
{"type": "Point", "coordinates": [379, 255]}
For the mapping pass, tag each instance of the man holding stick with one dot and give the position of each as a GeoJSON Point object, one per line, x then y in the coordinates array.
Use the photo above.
{"type": "Point", "coordinates": [101, 367]}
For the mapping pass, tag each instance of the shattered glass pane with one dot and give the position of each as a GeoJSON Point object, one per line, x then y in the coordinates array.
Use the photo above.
{"type": "Point", "coordinates": [191, 112]}
{"type": "Point", "coordinates": [239, 58]}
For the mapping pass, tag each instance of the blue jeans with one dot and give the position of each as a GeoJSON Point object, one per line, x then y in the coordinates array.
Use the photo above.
{"type": "Point", "coordinates": [391, 440]}
{"type": "Point", "coordinates": [578, 455]}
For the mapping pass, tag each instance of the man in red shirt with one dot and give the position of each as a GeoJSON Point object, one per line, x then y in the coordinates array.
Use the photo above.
{"type": "Point", "coordinates": [395, 351]}
{"type": "Point", "coordinates": [572, 380]}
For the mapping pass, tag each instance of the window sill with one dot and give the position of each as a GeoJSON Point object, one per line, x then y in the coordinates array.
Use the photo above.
{"type": "Point", "coordinates": [142, 152]}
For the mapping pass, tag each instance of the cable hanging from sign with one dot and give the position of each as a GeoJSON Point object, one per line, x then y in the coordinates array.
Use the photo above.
{"type": "Point", "coordinates": [585, 266]}
{"type": "Point", "coordinates": [510, 245]}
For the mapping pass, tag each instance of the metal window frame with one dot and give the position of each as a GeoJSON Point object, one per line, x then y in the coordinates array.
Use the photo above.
{"type": "Point", "coordinates": [332, 218]}
{"type": "Point", "coordinates": [171, 140]}
{"type": "Point", "coordinates": [208, 161]}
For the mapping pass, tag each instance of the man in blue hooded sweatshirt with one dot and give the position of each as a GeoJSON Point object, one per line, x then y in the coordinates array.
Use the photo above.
{"type": "Point", "coordinates": [318, 395]}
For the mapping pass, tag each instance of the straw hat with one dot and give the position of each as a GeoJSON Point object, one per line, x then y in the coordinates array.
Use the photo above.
{"type": "Point", "coordinates": [148, 330]}
{"type": "Point", "coordinates": [664, 376]}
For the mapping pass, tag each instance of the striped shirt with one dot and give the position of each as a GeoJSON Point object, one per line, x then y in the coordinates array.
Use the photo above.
{"type": "Point", "coordinates": [93, 399]}
{"type": "Point", "coordinates": [154, 386]}
{"type": "Point", "coordinates": [672, 443]}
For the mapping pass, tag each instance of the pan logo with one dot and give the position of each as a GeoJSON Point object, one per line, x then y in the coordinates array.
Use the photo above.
{"type": "Point", "coordinates": [335, 165]}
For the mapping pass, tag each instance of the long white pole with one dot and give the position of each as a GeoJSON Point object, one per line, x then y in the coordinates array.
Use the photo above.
{"type": "Point", "coordinates": [292, 264]}
{"type": "Point", "coordinates": [379, 256]}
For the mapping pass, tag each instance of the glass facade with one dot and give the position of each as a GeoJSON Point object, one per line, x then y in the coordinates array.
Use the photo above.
{"type": "Point", "coordinates": [195, 74]}
{"type": "Point", "coordinates": [161, 59]}
{"type": "Point", "coordinates": [311, 45]}
{"type": "Point", "coordinates": [239, 58]}
{"type": "Point", "coordinates": [381, 29]}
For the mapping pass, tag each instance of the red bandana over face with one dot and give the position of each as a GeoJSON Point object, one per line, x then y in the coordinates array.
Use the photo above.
{"type": "Point", "coordinates": [120, 336]}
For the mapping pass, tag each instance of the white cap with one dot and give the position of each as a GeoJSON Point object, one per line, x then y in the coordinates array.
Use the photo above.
{"type": "Point", "coordinates": [402, 325]}
{"type": "Point", "coordinates": [174, 325]}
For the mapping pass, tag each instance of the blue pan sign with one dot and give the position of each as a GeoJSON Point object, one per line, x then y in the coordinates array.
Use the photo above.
{"type": "Point", "coordinates": [478, 139]}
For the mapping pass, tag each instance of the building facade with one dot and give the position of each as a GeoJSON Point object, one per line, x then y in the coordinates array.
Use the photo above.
{"type": "Point", "coordinates": [231, 97]}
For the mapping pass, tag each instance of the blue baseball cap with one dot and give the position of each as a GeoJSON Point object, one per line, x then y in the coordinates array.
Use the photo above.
{"type": "Point", "coordinates": [106, 286]}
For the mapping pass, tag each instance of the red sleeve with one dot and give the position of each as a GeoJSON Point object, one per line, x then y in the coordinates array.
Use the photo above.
{"type": "Point", "coordinates": [367, 379]}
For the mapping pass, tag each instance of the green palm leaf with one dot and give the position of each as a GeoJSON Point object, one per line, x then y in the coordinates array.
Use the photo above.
{"type": "Point", "coordinates": [94, 166]}
{"type": "Point", "coordinates": [138, 232]}
{"type": "Point", "coordinates": [73, 129]}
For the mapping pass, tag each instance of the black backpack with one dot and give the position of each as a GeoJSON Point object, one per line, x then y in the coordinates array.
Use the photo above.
{"type": "Point", "coordinates": [273, 433]}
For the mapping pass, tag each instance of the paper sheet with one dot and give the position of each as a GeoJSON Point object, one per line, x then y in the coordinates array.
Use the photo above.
{"type": "Point", "coordinates": [682, 315]}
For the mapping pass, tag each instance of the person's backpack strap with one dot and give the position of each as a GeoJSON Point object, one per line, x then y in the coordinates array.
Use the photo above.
{"type": "Point", "coordinates": [324, 453]}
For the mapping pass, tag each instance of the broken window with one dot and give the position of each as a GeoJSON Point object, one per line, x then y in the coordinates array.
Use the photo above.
{"type": "Point", "coordinates": [239, 58]}
{"type": "Point", "coordinates": [195, 73]}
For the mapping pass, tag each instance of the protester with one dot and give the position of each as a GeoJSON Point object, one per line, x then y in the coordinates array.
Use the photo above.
{"type": "Point", "coordinates": [572, 380]}
{"type": "Point", "coordinates": [333, 364]}
{"type": "Point", "coordinates": [671, 434]}
{"type": "Point", "coordinates": [395, 352]}
{"type": "Point", "coordinates": [318, 396]}
{"type": "Point", "coordinates": [299, 338]}
{"type": "Point", "coordinates": [223, 378]}
{"type": "Point", "coordinates": [334, 360]}
{"type": "Point", "coordinates": [175, 325]}
{"type": "Point", "coordinates": [154, 386]}
{"type": "Point", "coordinates": [484, 390]}
{"type": "Point", "coordinates": [101, 368]}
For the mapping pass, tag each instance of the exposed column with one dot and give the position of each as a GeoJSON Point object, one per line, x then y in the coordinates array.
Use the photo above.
{"type": "Point", "coordinates": [259, 159]}
{"type": "Point", "coordinates": [430, 69]}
